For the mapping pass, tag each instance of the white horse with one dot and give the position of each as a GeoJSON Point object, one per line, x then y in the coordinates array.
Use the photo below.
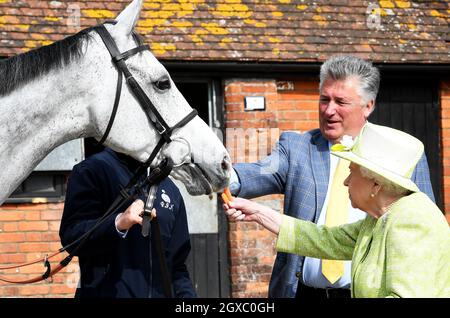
{"type": "Point", "coordinates": [67, 90]}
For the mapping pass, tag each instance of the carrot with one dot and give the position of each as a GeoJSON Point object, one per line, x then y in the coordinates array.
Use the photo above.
{"type": "Point", "coordinates": [228, 193]}
{"type": "Point", "coordinates": [225, 198]}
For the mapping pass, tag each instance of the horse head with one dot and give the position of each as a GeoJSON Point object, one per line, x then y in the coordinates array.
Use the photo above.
{"type": "Point", "coordinates": [202, 162]}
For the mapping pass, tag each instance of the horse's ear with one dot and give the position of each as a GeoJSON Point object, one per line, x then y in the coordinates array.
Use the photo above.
{"type": "Point", "coordinates": [128, 18]}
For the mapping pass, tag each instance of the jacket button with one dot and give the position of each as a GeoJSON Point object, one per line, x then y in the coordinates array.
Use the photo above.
{"type": "Point", "coordinates": [298, 274]}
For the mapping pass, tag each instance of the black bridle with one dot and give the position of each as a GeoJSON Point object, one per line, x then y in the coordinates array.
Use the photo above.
{"type": "Point", "coordinates": [150, 110]}
{"type": "Point", "coordinates": [164, 130]}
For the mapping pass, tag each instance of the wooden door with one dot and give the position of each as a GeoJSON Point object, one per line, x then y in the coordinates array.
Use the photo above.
{"type": "Point", "coordinates": [412, 105]}
{"type": "Point", "coordinates": [208, 260]}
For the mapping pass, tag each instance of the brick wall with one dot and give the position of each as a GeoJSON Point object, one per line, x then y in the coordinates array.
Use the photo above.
{"type": "Point", "coordinates": [251, 136]}
{"type": "Point", "coordinates": [445, 143]}
{"type": "Point", "coordinates": [29, 232]}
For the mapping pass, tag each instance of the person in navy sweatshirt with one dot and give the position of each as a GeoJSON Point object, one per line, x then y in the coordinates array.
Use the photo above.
{"type": "Point", "coordinates": [117, 261]}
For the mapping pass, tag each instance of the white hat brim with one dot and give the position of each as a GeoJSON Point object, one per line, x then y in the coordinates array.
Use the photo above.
{"type": "Point", "coordinates": [391, 176]}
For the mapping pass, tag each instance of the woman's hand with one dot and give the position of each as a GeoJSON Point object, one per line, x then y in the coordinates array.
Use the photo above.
{"type": "Point", "coordinates": [245, 210]}
{"type": "Point", "coordinates": [241, 210]}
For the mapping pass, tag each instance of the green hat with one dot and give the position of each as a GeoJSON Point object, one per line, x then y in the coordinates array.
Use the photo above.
{"type": "Point", "coordinates": [391, 153]}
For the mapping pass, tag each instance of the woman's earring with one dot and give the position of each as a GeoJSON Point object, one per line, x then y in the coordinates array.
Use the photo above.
{"type": "Point", "coordinates": [372, 195]}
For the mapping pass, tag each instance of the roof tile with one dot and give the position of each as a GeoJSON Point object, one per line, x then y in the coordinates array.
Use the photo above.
{"type": "Point", "coordinates": [389, 31]}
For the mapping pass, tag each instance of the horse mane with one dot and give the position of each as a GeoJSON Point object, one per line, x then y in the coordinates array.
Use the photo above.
{"type": "Point", "coordinates": [23, 68]}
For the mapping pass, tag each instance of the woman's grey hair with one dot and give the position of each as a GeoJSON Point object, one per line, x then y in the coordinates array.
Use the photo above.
{"type": "Point", "coordinates": [341, 67]}
{"type": "Point", "coordinates": [386, 184]}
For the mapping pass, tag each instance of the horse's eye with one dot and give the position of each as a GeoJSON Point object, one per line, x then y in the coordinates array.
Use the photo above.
{"type": "Point", "coordinates": [162, 85]}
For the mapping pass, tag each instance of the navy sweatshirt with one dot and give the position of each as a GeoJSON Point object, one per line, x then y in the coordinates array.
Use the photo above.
{"type": "Point", "coordinates": [112, 266]}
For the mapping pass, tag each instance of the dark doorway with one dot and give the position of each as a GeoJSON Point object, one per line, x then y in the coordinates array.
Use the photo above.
{"type": "Point", "coordinates": [412, 106]}
{"type": "Point", "coordinates": [208, 260]}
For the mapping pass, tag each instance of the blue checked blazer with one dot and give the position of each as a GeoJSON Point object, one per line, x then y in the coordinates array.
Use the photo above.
{"type": "Point", "coordinates": [298, 167]}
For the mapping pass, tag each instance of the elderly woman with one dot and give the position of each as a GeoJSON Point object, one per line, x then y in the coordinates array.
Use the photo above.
{"type": "Point", "coordinates": [401, 248]}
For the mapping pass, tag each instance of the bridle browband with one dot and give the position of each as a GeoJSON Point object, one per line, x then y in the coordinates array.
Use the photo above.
{"type": "Point", "coordinates": [149, 109]}
{"type": "Point", "coordinates": [135, 184]}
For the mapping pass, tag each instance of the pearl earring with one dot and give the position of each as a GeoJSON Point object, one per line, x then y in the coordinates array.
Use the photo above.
{"type": "Point", "coordinates": [372, 195]}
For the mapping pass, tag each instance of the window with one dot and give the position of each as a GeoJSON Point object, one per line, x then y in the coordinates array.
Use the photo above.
{"type": "Point", "coordinates": [47, 183]}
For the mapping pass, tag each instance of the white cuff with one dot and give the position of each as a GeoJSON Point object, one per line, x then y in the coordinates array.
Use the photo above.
{"type": "Point", "coordinates": [122, 234]}
{"type": "Point", "coordinates": [235, 185]}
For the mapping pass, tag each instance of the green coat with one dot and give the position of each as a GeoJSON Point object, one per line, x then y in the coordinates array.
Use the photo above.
{"type": "Point", "coordinates": [404, 253]}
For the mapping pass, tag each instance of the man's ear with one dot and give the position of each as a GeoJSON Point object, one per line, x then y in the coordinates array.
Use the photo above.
{"type": "Point", "coordinates": [128, 18]}
{"type": "Point", "coordinates": [368, 109]}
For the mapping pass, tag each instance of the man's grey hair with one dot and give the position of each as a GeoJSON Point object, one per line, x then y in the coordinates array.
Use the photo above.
{"type": "Point", "coordinates": [342, 67]}
{"type": "Point", "coordinates": [389, 186]}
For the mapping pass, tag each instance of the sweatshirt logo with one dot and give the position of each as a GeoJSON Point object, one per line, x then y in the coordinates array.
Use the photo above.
{"type": "Point", "coordinates": [165, 203]}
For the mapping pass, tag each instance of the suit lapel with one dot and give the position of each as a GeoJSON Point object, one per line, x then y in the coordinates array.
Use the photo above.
{"type": "Point", "coordinates": [320, 162]}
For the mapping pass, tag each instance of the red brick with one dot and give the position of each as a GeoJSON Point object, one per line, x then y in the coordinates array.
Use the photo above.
{"type": "Point", "coordinates": [10, 226]}
{"type": "Point", "coordinates": [445, 105]}
{"type": "Point", "coordinates": [32, 207]}
{"type": "Point", "coordinates": [32, 269]}
{"type": "Point", "coordinates": [34, 247]}
{"type": "Point", "coordinates": [48, 237]}
{"type": "Point", "coordinates": [310, 87]}
{"type": "Point", "coordinates": [293, 115]}
{"type": "Point", "coordinates": [254, 90]}
{"type": "Point", "coordinates": [12, 237]}
{"type": "Point", "coordinates": [33, 226]}
{"type": "Point", "coordinates": [11, 215]}
{"type": "Point", "coordinates": [236, 99]}
{"type": "Point", "coordinates": [7, 247]}
{"type": "Point", "coordinates": [33, 237]}
{"type": "Point", "coordinates": [299, 96]}
{"type": "Point", "coordinates": [12, 258]}
{"type": "Point", "coordinates": [61, 289]}
{"type": "Point", "coordinates": [445, 134]}
{"type": "Point", "coordinates": [8, 206]}
{"type": "Point", "coordinates": [54, 225]}
{"type": "Point", "coordinates": [34, 290]}
{"type": "Point", "coordinates": [235, 107]}
{"type": "Point", "coordinates": [240, 116]}
{"type": "Point", "coordinates": [56, 206]}
{"type": "Point", "coordinates": [233, 88]}
{"type": "Point", "coordinates": [51, 215]}
{"type": "Point", "coordinates": [32, 215]}
{"type": "Point", "coordinates": [9, 291]}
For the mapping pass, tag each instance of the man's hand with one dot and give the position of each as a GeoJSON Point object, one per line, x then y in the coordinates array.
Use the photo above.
{"type": "Point", "coordinates": [131, 216]}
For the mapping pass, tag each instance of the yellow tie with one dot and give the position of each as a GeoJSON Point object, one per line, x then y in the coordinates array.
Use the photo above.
{"type": "Point", "coordinates": [337, 214]}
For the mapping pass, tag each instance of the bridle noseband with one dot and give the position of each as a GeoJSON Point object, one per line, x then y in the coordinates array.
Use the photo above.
{"type": "Point", "coordinates": [150, 110]}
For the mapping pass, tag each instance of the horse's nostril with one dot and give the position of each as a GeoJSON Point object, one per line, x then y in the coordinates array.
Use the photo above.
{"type": "Point", "coordinates": [225, 163]}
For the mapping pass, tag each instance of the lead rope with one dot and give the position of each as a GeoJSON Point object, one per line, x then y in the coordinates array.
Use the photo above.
{"type": "Point", "coordinates": [150, 224]}
{"type": "Point", "coordinates": [161, 172]}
